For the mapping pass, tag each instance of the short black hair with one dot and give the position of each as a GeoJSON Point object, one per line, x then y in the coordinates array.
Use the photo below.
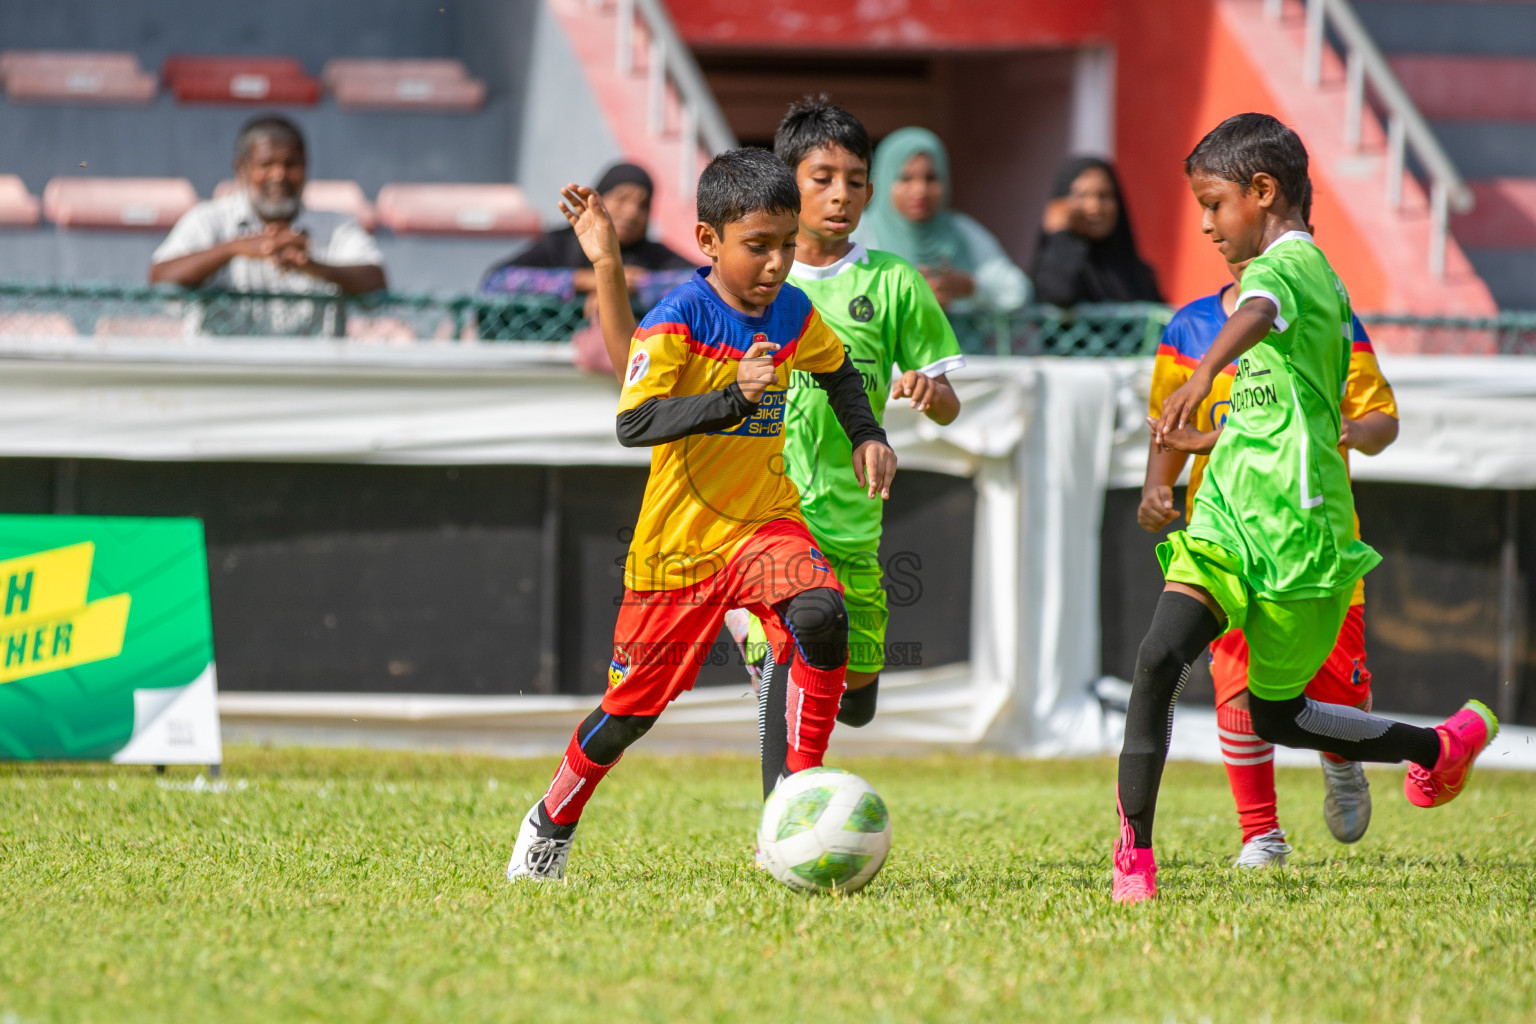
{"type": "Point", "coordinates": [743, 181]}
{"type": "Point", "coordinates": [815, 122]}
{"type": "Point", "coordinates": [268, 126]}
{"type": "Point", "coordinates": [1246, 144]}
{"type": "Point", "coordinates": [1306, 206]}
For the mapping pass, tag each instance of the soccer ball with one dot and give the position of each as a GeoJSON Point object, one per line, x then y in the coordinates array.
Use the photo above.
{"type": "Point", "coordinates": [824, 829]}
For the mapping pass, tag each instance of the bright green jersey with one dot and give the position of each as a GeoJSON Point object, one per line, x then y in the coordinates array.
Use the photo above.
{"type": "Point", "coordinates": [885, 314]}
{"type": "Point", "coordinates": [1276, 492]}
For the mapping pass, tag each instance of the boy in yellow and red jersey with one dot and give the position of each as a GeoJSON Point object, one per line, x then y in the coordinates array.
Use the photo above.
{"type": "Point", "coordinates": [1369, 425]}
{"type": "Point", "coordinates": [720, 527]}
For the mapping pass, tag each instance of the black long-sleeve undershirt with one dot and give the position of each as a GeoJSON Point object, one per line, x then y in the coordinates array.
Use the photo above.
{"type": "Point", "coordinates": [659, 420]}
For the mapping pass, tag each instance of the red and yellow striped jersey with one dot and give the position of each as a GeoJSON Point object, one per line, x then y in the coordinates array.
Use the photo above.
{"type": "Point", "coordinates": [708, 493]}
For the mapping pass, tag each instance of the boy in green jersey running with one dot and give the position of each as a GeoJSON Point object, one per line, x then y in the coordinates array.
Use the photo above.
{"type": "Point", "coordinates": [887, 316]}
{"type": "Point", "coordinates": [1272, 548]}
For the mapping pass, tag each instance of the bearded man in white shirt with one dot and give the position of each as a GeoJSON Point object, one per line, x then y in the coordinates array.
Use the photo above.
{"type": "Point", "coordinates": [261, 238]}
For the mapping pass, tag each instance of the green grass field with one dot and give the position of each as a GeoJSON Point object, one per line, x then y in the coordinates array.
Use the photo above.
{"type": "Point", "coordinates": [361, 886]}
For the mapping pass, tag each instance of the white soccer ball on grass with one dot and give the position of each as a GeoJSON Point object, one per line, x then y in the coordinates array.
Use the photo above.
{"type": "Point", "coordinates": [823, 830]}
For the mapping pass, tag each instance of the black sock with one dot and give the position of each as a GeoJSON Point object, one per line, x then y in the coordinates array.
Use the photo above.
{"type": "Point", "coordinates": [546, 826]}
{"type": "Point", "coordinates": [1347, 732]}
{"type": "Point", "coordinates": [773, 722]}
{"type": "Point", "coordinates": [1182, 627]}
{"type": "Point", "coordinates": [858, 706]}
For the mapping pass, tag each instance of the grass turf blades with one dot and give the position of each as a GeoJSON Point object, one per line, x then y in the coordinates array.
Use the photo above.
{"type": "Point", "coordinates": [368, 886]}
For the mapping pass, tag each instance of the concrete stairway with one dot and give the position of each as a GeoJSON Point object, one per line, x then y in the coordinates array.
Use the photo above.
{"type": "Point", "coordinates": [1470, 67]}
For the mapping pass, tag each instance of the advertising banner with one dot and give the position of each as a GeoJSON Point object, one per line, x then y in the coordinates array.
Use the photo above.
{"type": "Point", "coordinates": [106, 641]}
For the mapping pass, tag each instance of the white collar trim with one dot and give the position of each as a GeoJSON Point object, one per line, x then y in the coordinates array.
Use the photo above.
{"type": "Point", "coordinates": [806, 272]}
{"type": "Point", "coordinates": [1290, 236]}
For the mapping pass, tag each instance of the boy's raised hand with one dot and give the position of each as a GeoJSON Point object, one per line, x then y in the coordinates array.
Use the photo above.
{"type": "Point", "coordinates": [874, 466]}
{"type": "Point", "coordinates": [756, 371]}
{"type": "Point", "coordinates": [1180, 407]}
{"type": "Point", "coordinates": [585, 211]}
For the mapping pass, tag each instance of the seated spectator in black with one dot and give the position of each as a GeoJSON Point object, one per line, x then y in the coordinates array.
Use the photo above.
{"type": "Point", "coordinates": [555, 265]}
{"type": "Point", "coordinates": [261, 238]}
{"type": "Point", "coordinates": [1086, 251]}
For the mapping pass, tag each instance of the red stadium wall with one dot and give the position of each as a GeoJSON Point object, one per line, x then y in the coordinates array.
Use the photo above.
{"type": "Point", "coordinates": [1179, 71]}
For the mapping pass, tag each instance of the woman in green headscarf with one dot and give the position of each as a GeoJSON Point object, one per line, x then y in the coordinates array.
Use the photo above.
{"type": "Point", "coordinates": [909, 215]}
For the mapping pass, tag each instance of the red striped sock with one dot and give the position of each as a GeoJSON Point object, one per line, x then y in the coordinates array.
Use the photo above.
{"type": "Point", "coordinates": [1250, 771]}
{"type": "Point", "coordinates": [573, 784]}
{"type": "Point", "coordinates": [811, 711]}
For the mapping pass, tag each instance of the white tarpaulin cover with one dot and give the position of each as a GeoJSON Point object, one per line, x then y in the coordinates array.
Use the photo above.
{"type": "Point", "coordinates": [1042, 438]}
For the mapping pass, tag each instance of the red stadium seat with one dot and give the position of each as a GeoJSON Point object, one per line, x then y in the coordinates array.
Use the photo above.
{"type": "Point", "coordinates": [403, 85]}
{"type": "Point", "coordinates": [354, 67]}
{"type": "Point", "coordinates": [456, 210]}
{"type": "Point", "coordinates": [37, 325]}
{"type": "Point", "coordinates": [84, 60]}
{"type": "Point", "coordinates": [406, 93]}
{"type": "Point", "coordinates": [151, 326]}
{"type": "Point", "coordinates": [332, 196]}
{"type": "Point", "coordinates": [239, 80]}
{"type": "Point", "coordinates": [150, 204]}
{"type": "Point", "coordinates": [61, 76]}
{"type": "Point", "coordinates": [18, 207]}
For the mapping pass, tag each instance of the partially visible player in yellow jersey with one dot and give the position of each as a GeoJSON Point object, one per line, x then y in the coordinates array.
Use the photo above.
{"type": "Point", "coordinates": [1369, 425]}
{"type": "Point", "coordinates": [720, 527]}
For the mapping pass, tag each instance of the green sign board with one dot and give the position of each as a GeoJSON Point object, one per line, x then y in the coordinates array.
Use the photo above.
{"type": "Point", "coordinates": [106, 641]}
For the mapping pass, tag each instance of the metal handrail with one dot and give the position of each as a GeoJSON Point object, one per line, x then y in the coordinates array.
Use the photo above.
{"type": "Point", "coordinates": [670, 58]}
{"type": "Point", "coordinates": [1364, 65]}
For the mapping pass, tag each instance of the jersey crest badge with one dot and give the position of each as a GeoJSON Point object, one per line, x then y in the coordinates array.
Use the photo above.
{"type": "Point", "coordinates": [639, 366]}
{"type": "Point", "coordinates": [618, 668]}
{"type": "Point", "coordinates": [861, 309]}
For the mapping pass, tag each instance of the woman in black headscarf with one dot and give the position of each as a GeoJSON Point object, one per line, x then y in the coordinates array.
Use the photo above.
{"type": "Point", "coordinates": [626, 190]}
{"type": "Point", "coordinates": [1086, 251]}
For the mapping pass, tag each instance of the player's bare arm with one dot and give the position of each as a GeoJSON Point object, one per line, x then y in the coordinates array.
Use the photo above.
{"type": "Point", "coordinates": [1370, 434]}
{"type": "Point", "coordinates": [874, 463]}
{"type": "Point", "coordinates": [934, 397]}
{"type": "Point", "coordinates": [1163, 468]}
{"type": "Point", "coordinates": [1248, 326]}
{"type": "Point", "coordinates": [583, 208]}
{"type": "Point", "coordinates": [874, 466]}
{"type": "Point", "coordinates": [1190, 441]}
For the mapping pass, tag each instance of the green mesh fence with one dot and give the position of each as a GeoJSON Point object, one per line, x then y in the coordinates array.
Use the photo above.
{"type": "Point", "coordinates": [74, 310]}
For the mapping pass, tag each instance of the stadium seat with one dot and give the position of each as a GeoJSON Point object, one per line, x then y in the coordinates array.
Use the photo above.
{"type": "Point", "coordinates": [63, 76]}
{"type": "Point", "coordinates": [18, 207]}
{"type": "Point", "coordinates": [379, 330]}
{"type": "Point", "coordinates": [333, 196]}
{"type": "Point", "coordinates": [403, 85]}
{"type": "Point", "coordinates": [239, 80]}
{"type": "Point", "coordinates": [134, 203]}
{"type": "Point", "coordinates": [36, 325]}
{"type": "Point", "coordinates": [456, 210]}
{"type": "Point", "coordinates": [151, 326]}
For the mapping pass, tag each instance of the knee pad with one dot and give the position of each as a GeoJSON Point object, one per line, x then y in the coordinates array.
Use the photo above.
{"type": "Point", "coordinates": [818, 621]}
{"type": "Point", "coordinates": [605, 736]}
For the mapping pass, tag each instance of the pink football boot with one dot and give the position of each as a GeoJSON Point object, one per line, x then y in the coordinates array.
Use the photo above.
{"type": "Point", "coordinates": [1135, 870]}
{"type": "Point", "coordinates": [1462, 737]}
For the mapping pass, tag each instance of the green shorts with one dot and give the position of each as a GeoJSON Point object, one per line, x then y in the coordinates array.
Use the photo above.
{"type": "Point", "coordinates": [1288, 641]}
{"type": "Point", "coordinates": [864, 597]}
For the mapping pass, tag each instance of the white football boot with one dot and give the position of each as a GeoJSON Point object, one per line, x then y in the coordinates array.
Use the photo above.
{"type": "Point", "coordinates": [1347, 807]}
{"type": "Point", "coordinates": [1264, 851]}
{"type": "Point", "coordinates": [538, 858]}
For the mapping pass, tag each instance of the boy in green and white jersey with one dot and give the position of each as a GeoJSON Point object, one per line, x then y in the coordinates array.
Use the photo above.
{"type": "Point", "coordinates": [887, 316]}
{"type": "Point", "coordinates": [1271, 548]}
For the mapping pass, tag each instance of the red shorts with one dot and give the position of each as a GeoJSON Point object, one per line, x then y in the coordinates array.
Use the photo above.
{"type": "Point", "coordinates": [1343, 679]}
{"type": "Point", "coordinates": [663, 637]}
